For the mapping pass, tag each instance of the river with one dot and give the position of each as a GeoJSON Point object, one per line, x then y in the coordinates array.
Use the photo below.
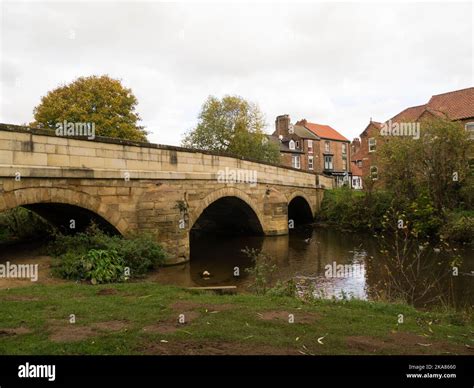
{"type": "Point", "coordinates": [303, 256]}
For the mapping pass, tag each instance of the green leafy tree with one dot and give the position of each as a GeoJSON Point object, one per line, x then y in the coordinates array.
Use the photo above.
{"type": "Point", "coordinates": [232, 125]}
{"type": "Point", "coordinates": [102, 100]}
{"type": "Point", "coordinates": [437, 163]}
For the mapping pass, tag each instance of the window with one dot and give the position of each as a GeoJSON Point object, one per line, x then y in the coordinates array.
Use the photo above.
{"type": "Point", "coordinates": [470, 128]}
{"type": "Point", "coordinates": [310, 146]}
{"type": "Point", "coordinates": [344, 164]}
{"type": "Point", "coordinates": [327, 146]}
{"type": "Point", "coordinates": [344, 148]}
{"type": "Point", "coordinates": [310, 163]}
{"type": "Point", "coordinates": [374, 172]}
{"type": "Point", "coordinates": [291, 145]}
{"type": "Point", "coordinates": [297, 144]}
{"type": "Point", "coordinates": [372, 144]}
{"type": "Point", "coordinates": [359, 163]}
{"type": "Point", "coordinates": [295, 161]}
{"type": "Point", "coordinates": [328, 162]}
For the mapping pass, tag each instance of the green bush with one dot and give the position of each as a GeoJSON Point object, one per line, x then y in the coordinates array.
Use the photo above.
{"type": "Point", "coordinates": [22, 224]}
{"type": "Point", "coordinates": [261, 272]}
{"type": "Point", "coordinates": [139, 253]}
{"type": "Point", "coordinates": [354, 210]}
{"type": "Point", "coordinates": [96, 266]}
{"type": "Point", "coordinates": [459, 227]}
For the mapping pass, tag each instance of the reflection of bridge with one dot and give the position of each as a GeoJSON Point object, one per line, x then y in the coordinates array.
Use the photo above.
{"type": "Point", "coordinates": [147, 187]}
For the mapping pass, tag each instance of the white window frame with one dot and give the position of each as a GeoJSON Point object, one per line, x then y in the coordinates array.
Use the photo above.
{"type": "Point", "coordinates": [326, 163]}
{"type": "Point", "coordinates": [291, 144]}
{"type": "Point", "coordinates": [344, 148]}
{"type": "Point", "coordinates": [470, 128]}
{"type": "Point", "coordinates": [296, 161]}
{"type": "Point", "coordinates": [373, 146]}
{"type": "Point", "coordinates": [344, 164]}
{"type": "Point", "coordinates": [327, 146]}
{"type": "Point", "coordinates": [310, 163]}
{"type": "Point", "coordinates": [310, 146]}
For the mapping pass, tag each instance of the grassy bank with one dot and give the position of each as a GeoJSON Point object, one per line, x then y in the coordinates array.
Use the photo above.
{"type": "Point", "coordinates": [142, 318]}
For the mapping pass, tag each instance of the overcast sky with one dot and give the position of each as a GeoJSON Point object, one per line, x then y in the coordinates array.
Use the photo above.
{"type": "Point", "coordinates": [337, 64]}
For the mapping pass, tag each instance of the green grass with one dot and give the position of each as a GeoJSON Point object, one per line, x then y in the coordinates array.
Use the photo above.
{"type": "Point", "coordinates": [41, 308]}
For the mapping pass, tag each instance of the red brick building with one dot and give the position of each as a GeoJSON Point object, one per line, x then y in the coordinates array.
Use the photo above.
{"type": "Point", "coordinates": [313, 147]}
{"type": "Point", "coordinates": [456, 106]}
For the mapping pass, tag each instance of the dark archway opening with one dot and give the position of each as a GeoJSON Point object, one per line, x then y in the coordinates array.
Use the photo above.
{"type": "Point", "coordinates": [299, 212]}
{"type": "Point", "coordinates": [217, 239]}
{"type": "Point", "coordinates": [70, 219]}
{"type": "Point", "coordinates": [227, 216]}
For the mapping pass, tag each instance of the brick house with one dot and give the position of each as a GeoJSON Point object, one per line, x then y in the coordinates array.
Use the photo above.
{"type": "Point", "coordinates": [297, 144]}
{"type": "Point", "coordinates": [456, 106]}
{"type": "Point", "coordinates": [364, 156]}
{"type": "Point", "coordinates": [313, 147]}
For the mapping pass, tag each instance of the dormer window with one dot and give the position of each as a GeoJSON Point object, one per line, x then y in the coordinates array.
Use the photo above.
{"type": "Point", "coordinates": [291, 145]}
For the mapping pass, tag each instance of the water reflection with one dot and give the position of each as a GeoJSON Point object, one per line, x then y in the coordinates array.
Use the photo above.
{"type": "Point", "coordinates": [304, 256]}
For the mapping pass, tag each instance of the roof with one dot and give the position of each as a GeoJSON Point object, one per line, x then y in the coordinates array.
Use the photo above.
{"type": "Point", "coordinates": [304, 133]}
{"type": "Point", "coordinates": [322, 131]}
{"type": "Point", "coordinates": [410, 114]}
{"type": "Point", "coordinates": [376, 124]}
{"type": "Point", "coordinates": [456, 105]}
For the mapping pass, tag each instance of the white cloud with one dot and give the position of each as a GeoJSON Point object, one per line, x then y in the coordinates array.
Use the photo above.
{"type": "Point", "coordinates": [336, 64]}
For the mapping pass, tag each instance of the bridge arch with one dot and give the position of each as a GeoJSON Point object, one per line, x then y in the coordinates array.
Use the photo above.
{"type": "Point", "coordinates": [300, 207]}
{"type": "Point", "coordinates": [32, 196]}
{"type": "Point", "coordinates": [226, 192]}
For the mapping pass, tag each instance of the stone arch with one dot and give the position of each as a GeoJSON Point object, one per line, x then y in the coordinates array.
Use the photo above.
{"type": "Point", "coordinates": [300, 208]}
{"type": "Point", "coordinates": [36, 195]}
{"type": "Point", "coordinates": [298, 193]}
{"type": "Point", "coordinates": [222, 193]}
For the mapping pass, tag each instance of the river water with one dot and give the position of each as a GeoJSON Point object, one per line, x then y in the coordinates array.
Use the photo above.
{"type": "Point", "coordinates": [304, 256]}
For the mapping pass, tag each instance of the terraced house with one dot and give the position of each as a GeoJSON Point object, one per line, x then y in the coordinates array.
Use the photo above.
{"type": "Point", "coordinates": [313, 147]}
{"type": "Point", "coordinates": [457, 105]}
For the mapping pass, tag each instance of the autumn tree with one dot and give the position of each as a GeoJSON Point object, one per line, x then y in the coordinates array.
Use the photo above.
{"type": "Point", "coordinates": [436, 163]}
{"type": "Point", "coordinates": [102, 100]}
{"type": "Point", "coordinates": [232, 125]}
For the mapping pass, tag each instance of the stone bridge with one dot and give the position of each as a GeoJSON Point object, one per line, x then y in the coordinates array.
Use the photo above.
{"type": "Point", "coordinates": [129, 186]}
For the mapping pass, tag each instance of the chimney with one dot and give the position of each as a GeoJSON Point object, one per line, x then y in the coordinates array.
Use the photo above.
{"type": "Point", "coordinates": [281, 125]}
{"type": "Point", "coordinates": [355, 146]}
{"type": "Point", "coordinates": [302, 122]}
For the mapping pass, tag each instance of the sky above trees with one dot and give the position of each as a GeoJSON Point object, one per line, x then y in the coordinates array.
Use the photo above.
{"type": "Point", "coordinates": [331, 63]}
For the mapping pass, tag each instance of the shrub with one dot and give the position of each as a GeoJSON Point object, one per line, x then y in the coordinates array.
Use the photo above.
{"type": "Point", "coordinates": [261, 272]}
{"type": "Point", "coordinates": [96, 266]}
{"type": "Point", "coordinates": [22, 224]}
{"type": "Point", "coordinates": [139, 253]}
{"type": "Point", "coordinates": [460, 227]}
{"type": "Point", "coordinates": [355, 210]}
